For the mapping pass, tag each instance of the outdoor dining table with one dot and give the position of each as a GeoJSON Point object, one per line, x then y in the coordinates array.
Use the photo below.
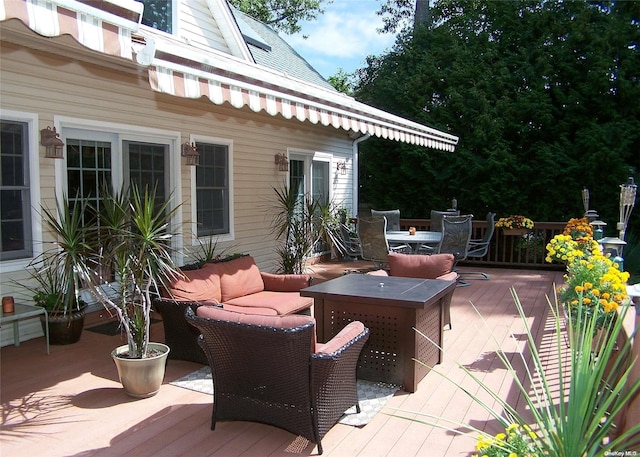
{"type": "Point", "coordinates": [415, 241]}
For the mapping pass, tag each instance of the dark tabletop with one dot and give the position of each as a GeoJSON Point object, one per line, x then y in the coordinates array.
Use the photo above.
{"type": "Point", "coordinates": [391, 290]}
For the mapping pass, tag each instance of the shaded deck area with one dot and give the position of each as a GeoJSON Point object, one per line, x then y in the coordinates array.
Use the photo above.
{"type": "Point", "coordinates": [70, 403]}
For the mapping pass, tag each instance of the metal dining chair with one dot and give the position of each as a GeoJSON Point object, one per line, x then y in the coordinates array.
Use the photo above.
{"type": "Point", "coordinates": [392, 215]}
{"type": "Point", "coordinates": [456, 234]}
{"type": "Point", "coordinates": [478, 248]}
{"type": "Point", "coordinates": [373, 240]}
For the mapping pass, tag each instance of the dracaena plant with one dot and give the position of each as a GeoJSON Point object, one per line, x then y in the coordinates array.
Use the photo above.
{"type": "Point", "coordinates": [135, 259]}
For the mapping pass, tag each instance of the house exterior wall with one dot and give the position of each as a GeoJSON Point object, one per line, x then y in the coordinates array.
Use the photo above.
{"type": "Point", "coordinates": [72, 94]}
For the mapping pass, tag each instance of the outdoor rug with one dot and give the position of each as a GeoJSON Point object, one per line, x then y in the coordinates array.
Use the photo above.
{"type": "Point", "coordinates": [111, 328]}
{"type": "Point", "coordinates": [372, 395]}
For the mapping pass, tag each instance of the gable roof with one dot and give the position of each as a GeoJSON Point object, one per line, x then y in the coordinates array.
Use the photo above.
{"type": "Point", "coordinates": [280, 56]}
{"type": "Point", "coordinates": [284, 85]}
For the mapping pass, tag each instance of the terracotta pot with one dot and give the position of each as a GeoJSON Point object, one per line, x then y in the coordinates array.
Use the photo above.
{"type": "Point", "coordinates": [141, 378]}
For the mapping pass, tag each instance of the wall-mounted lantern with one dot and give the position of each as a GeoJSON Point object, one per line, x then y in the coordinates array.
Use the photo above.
{"type": "Point", "coordinates": [53, 145]}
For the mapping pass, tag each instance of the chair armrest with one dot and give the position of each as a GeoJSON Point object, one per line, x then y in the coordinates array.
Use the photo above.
{"type": "Point", "coordinates": [452, 276]}
{"type": "Point", "coordinates": [333, 377]}
{"type": "Point", "coordinates": [285, 283]}
{"type": "Point", "coordinates": [345, 336]}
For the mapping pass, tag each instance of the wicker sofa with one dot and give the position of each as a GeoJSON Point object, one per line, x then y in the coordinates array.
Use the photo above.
{"type": "Point", "coordinates": [270, 369]}
{"type": "Point", "coordinates": [235, 285]}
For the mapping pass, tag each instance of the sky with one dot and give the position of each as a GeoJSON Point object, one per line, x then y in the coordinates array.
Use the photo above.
{"type": "Point", "coordinates": [342, 37]}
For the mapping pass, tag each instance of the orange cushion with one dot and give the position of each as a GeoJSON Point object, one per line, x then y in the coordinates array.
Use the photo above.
{"type": "Point", "coordinates": [345, 335]}
{"type": "Point", "coordinates": [250, 310]}
{"type": "Point", "coordinates": [420, 266]}
{"type": "Point", "coordinates": [238, 277]}
{"type": "Point", "coordinates": [284, 283]}
{"type": "Point", "coordinates": [380, 272]}
{"type": "Point", "coordinates": [282, 302]}
{"type": "Point", "coordinates": [198, 285]}
{"type": "Point", "coordinates": [290, 321]}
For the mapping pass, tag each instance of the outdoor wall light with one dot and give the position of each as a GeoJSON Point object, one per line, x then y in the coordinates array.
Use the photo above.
{"type": "Point", "coordinates": [190, 152]}
{"type": "Point", "coordinates": [342, 167]}
{"type": "Point", "coordinates": [282, 162]}
{"type": "Point", "coordinates": [53, 145]}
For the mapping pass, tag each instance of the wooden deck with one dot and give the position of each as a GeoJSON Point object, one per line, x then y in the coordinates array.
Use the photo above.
{"type": "Point", "coordinates": [70, 403]}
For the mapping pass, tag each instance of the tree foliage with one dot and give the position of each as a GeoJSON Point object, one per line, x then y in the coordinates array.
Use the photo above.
{"type": "Point", "coordinates": [283, 15]}
{"type": "Point", "coordinates": [542, 93]}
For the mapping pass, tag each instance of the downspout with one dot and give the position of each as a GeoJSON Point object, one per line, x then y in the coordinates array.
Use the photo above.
{"type": "Point", "coordinates": [356, 172]}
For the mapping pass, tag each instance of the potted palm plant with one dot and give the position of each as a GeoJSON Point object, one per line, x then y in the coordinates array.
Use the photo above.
{"type": "Point", "coordinates": [135, 249]}
{"type": "Point", "coordinates": [58, 273]}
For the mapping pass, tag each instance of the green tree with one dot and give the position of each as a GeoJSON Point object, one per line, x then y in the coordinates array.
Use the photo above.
{"type": "Point", "coordinates": [283, 15]}
{"type": "Point", "coordinates": [342, 81]}
{"type": "Point", "coordinates": [543, 95]}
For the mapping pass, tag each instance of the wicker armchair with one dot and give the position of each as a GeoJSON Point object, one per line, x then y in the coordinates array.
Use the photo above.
{"type": "Point", "coordinates": [266, 369]}
{"type": "Point", "coordinates": [179, 335]}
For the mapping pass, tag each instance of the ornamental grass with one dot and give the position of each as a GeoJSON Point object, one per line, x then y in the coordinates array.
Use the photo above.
{"type": "Point", "coordinates": [574, 409]}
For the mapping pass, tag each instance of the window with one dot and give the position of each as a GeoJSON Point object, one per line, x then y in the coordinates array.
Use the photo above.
{"type": "Point", "coordinates": [212, 189]}
{"type": "Point", "coordinates": [15, 198]}
{"type": "Point", "coordinates": [158, 14]}
{"type": "Point", "coordinates": [88, 172]}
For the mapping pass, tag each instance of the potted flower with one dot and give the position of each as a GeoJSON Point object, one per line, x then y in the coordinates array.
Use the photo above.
{"type": "Point", "coordinates": [515, 225]}
{"type": "Point", "coordinates": [58, 273]}
{"type": "Point", "coordinates": [135, 246]}
{"type": "Point", "coordinates": [595, 288]}
{"type": "Point", "coordinates": [594, 284]}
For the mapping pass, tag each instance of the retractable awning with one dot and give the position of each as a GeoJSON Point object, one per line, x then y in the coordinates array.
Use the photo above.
{"type": "Point", "coordinates": [105, 25]}
{"type": "Point", "coordinates": [175, 68]}
{"type": "Point", "coordinates": [294, 99]}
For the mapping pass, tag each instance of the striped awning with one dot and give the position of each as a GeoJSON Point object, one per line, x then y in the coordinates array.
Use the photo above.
{"type": "Point", "coordinates": [102, 25]}
{"type": "Point", "coordinates": [107, 26]}
{"type": "Point", "coordinates": [331, 109]}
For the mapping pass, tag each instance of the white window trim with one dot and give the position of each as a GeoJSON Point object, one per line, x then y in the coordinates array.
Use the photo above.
{"type": "Point", "coordinates": [31, 119]}
{"type": "Point", "coordinates": [195, 241]}
{"type": "Point", "coordinates": [309, 156]}
{"type": "Point", "coordinates": [130, 133]}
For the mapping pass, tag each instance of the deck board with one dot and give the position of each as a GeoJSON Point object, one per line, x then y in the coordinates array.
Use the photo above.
{"type": "Point", "coordinates": [70, 403]}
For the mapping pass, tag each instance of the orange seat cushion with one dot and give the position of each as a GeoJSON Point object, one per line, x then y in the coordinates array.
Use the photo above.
{"type": "Point", "coordinates": [420, 266]}
{"type": "Point", "coordinates": [281, 302]}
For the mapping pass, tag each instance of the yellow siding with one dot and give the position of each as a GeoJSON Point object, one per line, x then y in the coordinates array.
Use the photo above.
{"type": "Point", "coordinates": [35, 83]}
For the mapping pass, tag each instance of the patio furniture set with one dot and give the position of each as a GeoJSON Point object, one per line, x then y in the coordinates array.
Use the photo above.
{"type": "Point", "coordinates": [273, 362]}
{"type": "Point", "coordinates": [450, 233]}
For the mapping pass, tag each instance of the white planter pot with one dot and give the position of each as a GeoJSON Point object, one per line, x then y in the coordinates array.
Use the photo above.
{"type": "Point", "coordinates": [141, 378]}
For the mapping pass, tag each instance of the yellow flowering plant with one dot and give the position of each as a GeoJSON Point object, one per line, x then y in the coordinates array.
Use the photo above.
{"type": "Point", "coordinates": [594, 285]}
{"type": "Point", "coordinates": [516, 441]}
{"type": "Point", "coordinates": [514, 222]}
{"type": "Point", "coordinates": [564, 249]}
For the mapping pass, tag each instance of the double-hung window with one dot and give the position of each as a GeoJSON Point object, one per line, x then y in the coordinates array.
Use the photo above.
{"type": "Point", "coordinates": [15, 196]}
{"type": "Point", "coordinates": [212, 189]}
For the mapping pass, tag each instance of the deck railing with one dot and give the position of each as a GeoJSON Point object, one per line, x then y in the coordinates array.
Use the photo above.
{"type": "Point", "coordinates": [507, 249]}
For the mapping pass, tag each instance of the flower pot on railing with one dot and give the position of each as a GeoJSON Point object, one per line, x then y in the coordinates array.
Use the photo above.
{"type": "Point", "coordinates": [515, 232]}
